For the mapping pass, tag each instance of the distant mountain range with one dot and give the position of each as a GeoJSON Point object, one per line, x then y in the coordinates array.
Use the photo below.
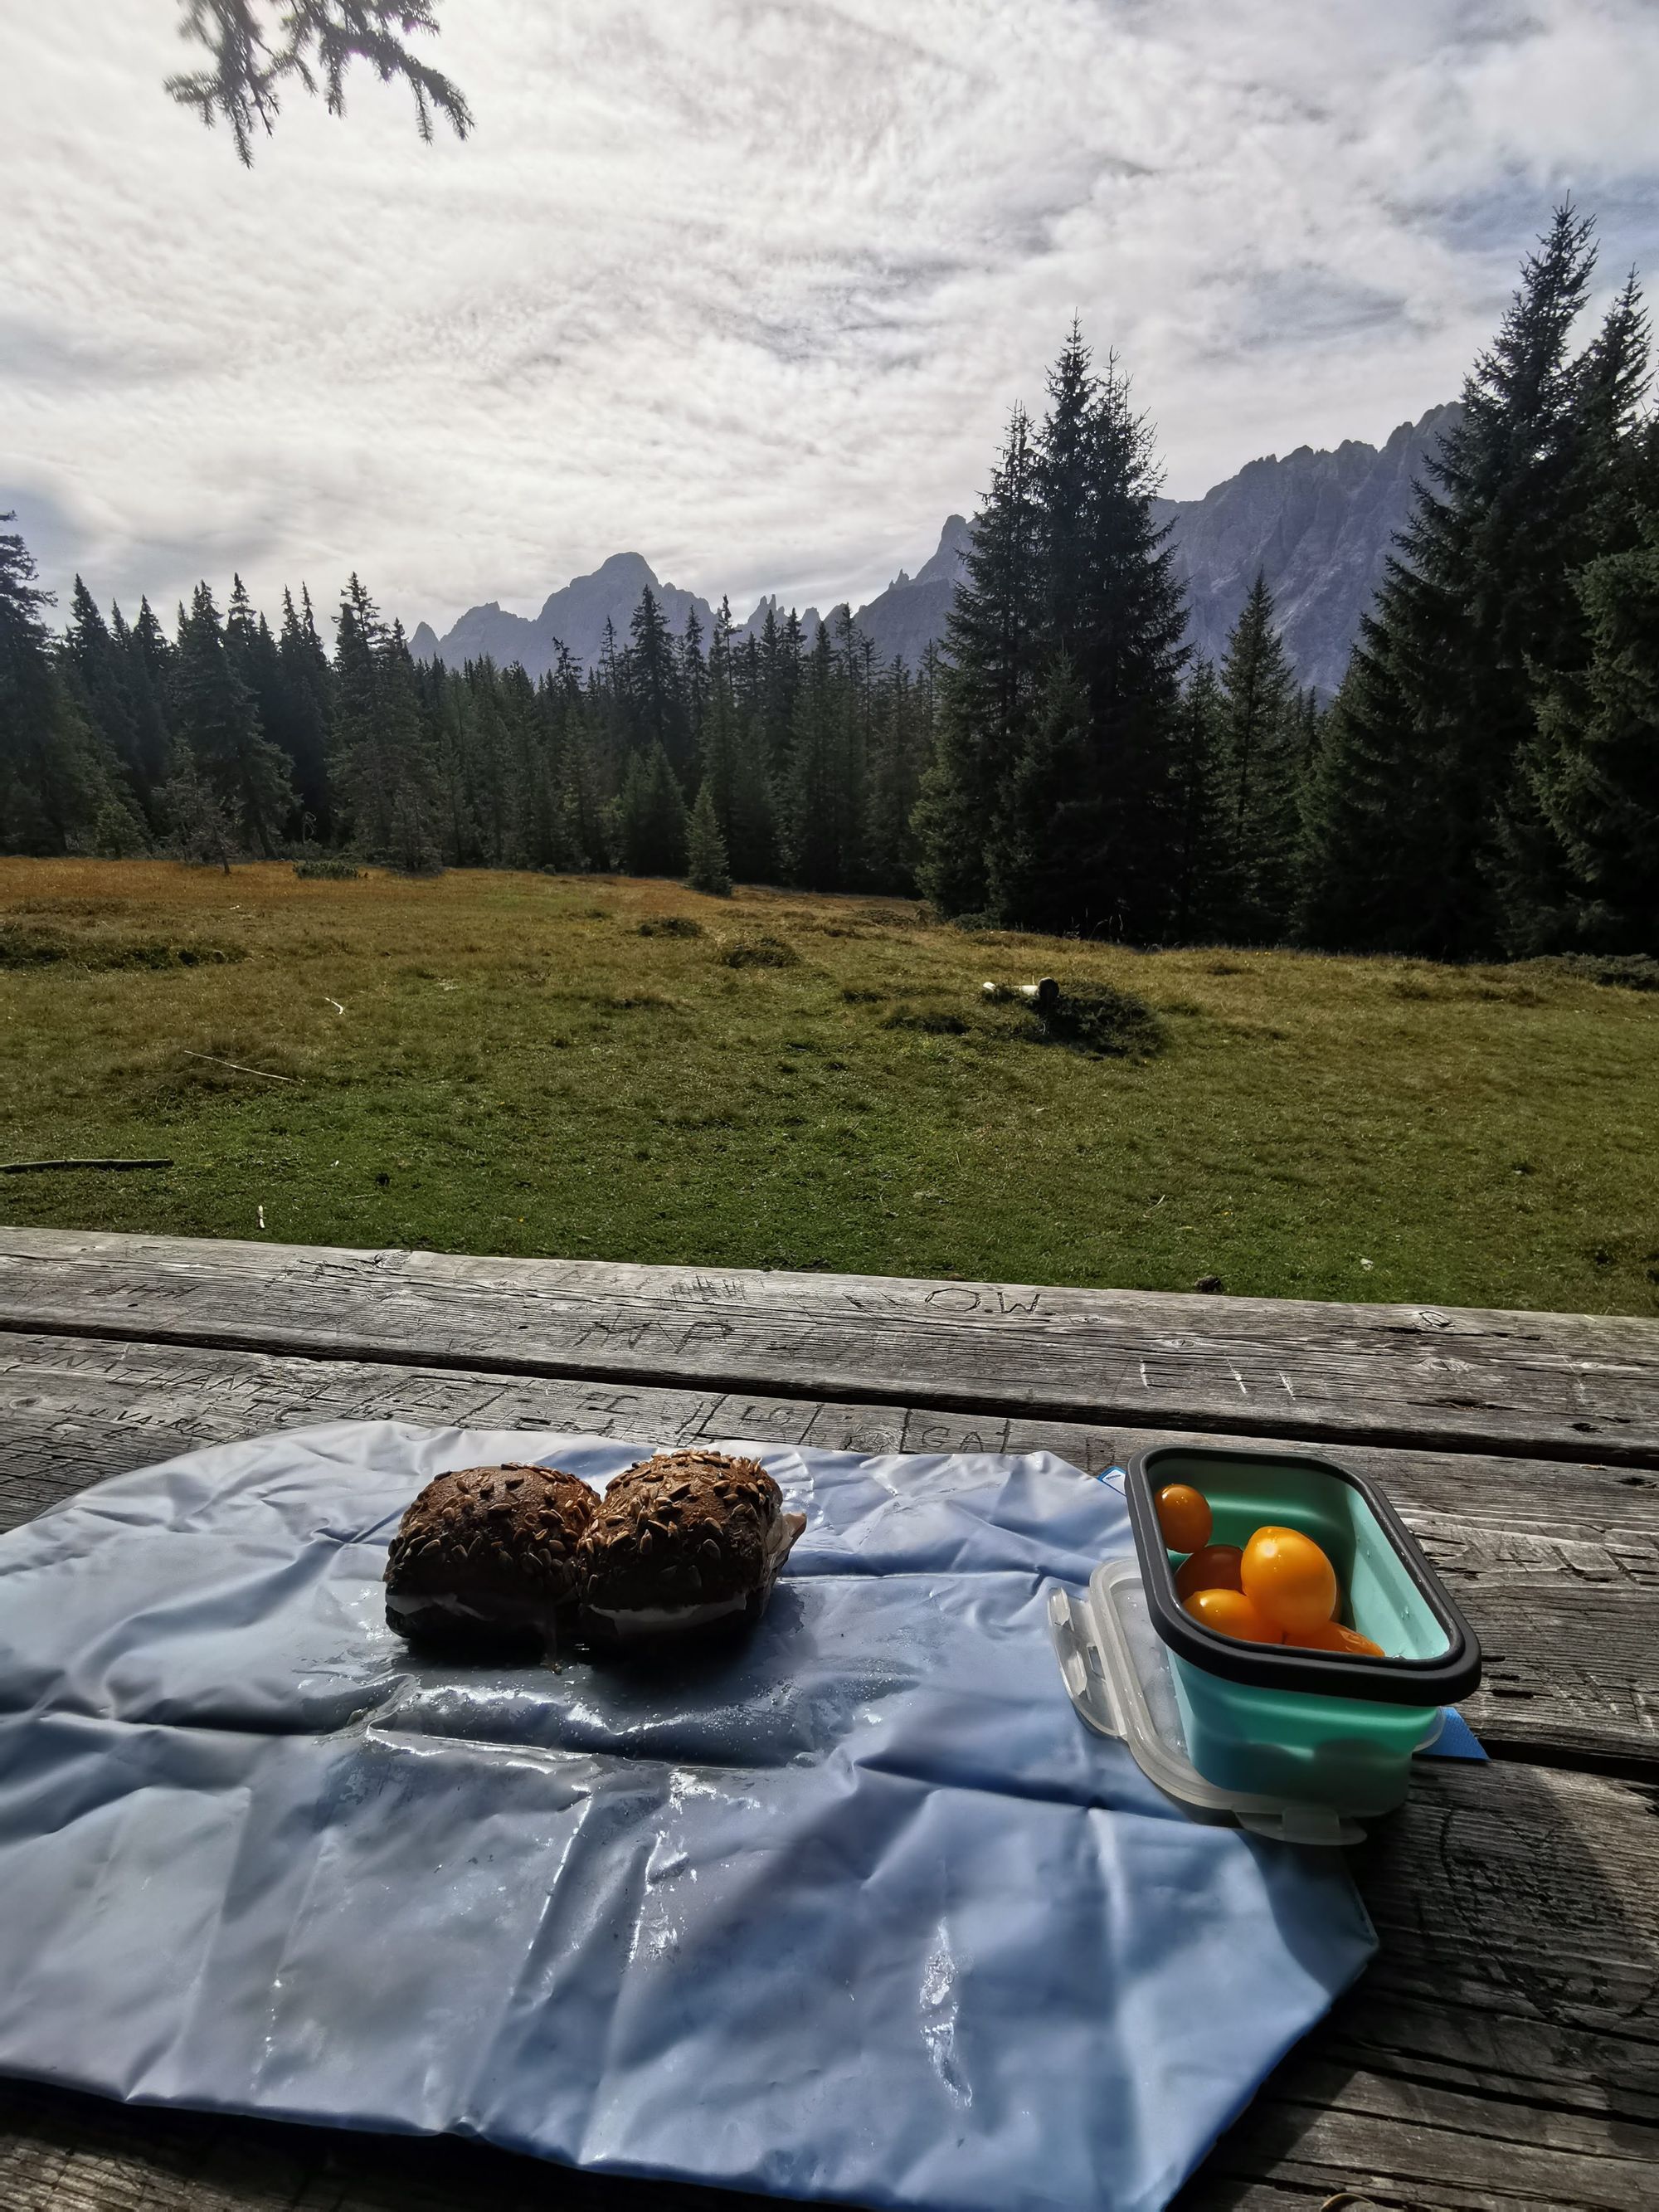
{"type": "Point", "coordinates": [575, 617]}
{"type": "Point", "coordinates": [1318, 523]}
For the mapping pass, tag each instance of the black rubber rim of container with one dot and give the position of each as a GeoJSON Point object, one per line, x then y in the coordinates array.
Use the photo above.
{"type": "Point", "coordinates": [1384, 1681]}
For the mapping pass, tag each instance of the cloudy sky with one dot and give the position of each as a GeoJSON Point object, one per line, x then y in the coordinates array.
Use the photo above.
{"type": "Point", "coordinates": [749, 285]}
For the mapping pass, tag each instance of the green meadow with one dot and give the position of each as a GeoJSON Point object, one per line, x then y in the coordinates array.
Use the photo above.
{"type": "Point", "coordinates": [621, 1069]}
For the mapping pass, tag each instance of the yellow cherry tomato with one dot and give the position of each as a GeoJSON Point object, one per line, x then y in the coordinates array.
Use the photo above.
{"type": "Point", "coordinates": [1183, 1514]}
{"type": "Point", "coordinates": [1347, 1643]}
{"type": "Point", "coordinates": [1212, 1566]}
{"type": "Point", "coordinates": [1231, 1612]}
{"type": "Point", "coordinates": [1287, 1576]}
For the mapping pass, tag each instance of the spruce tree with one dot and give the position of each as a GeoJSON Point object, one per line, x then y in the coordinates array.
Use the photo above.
{"type": "Point", "coordinates": [582, 830]}
{"type": "Point", "coordinates": [607, 678]}
{"type": "Point", "coordinates": [118, 832]}
{"type": "Point", "coordinates": [707, 869]}
{"type": "Point", "coordinates": [1422, 753]}
{"type": "Point", "coordinates": [215, 713]}
{"type": "Point", "coordinates": [1051, 810]}
{"type": "Point", "coordinates": [1114, 619]}
{"type": "Point", "coordinates": [452, 707]}
{"type": "Point", "coordinates": [100, 671]}
{"type": "Point", "coordinates": [584, 823]}
{"type": "Point", "coordinates": [1067, 468]}
{"type": "Point", "coordinates": [54, 779]}
{"type": "Point", "coordinates": [651, 817]}
{"type": "Point", "coordinates": [1130, 654]}
{"type": "Point", "coordinates": [693, 684]}
{"type": "Point", "coordinates": [611, 739]}
{"type": "Point", "coordinates": [536, 762]}
{"type": "Point", "coordinates": [149, 660]}
{"type": "Point", "coordinates": [1260, 776]}
{"type": "Point", "coordinates": [809, 804]}
{"type": "Point", "coordinates": [254, 654]}
{"type": "Point", "coordinates": [1309, 717]}
{"type": "Point", "coordinates": [901, 748]}
{"type": "Point", "coordinates": [487, 766]}
{"type": "Point", "coordinates": [988, 691]}
{"type": "Point", "coordinates": [717, 734]}
{"type": "Point", "coordinates": [1541, 896]}
{"type": "Point", "coordinates": [752, 837]}
{"type": "Point", "coordinates": [361, 775]}
{"type": "Point", "coordinates": [753, 841]}
{"type": "Point", "coordinates": [411, 848]}
{"type": "Point", "coordinates": [388, 771]}
{"type": "Point", "coordinates": [195, 821]}
{"type": "Point", "coordinates": [241, 619]}
{"type": "Point", "coordinates": [854, 658]}
{"type": "Point", "coordinates": [302, 728]}
{"type": "Point", "coordinates": [653, 687]}
{"type": "Point", "coordinates": [930, 674]}
{"type": "Point", "coordinates": [1610, 446]}
{"type": "Point", "coordinates": [1200, 887]}
{"type": "Point", "coordinates": [414, 844]}
{"type": "Point", "coordinates": [782, 655]}
{"type": "Point", "coordinates": [1596, 766]}
{"type": "Point", "coordinates": [733, 763]}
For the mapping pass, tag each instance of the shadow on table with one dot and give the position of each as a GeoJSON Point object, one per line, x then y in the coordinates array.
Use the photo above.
{"type": "Point", "coordinates": [1518, 1920]}
{"type": "Point", "coordinates": [58, 2146]}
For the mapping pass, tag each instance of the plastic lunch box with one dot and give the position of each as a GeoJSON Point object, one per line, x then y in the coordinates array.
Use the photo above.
{"type": "Point", "coordinates": [1312, 1727]}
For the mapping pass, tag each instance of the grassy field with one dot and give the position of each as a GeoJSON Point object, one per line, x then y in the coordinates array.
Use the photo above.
{"type": "Point", "coordinates": [529, 1064]}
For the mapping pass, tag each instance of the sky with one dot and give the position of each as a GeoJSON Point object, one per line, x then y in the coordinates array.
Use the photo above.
{"type": "Point", "coordinates": [750, 286]}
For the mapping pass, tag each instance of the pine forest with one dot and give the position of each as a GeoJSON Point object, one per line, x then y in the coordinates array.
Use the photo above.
{"type": "Point", "coordinates": [1485, 783]}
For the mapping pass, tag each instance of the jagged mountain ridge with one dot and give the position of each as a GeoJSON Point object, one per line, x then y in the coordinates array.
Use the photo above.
{"type": "Point", "coordinates": [1319, 524]}
{"type": "Point", "coordinates": [911, 615]}
{"type": "Point", "coordinates": [902, 621]}
{"type": "Point", "coordinates": [575, 617]}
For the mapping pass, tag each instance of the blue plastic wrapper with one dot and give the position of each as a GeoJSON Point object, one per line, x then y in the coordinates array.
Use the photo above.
{"type": "Point", "coordinates": [855, 1909]}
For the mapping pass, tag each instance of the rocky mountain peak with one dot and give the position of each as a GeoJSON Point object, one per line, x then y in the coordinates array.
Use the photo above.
{"type": "Point", "coordinates": [1318, 522]}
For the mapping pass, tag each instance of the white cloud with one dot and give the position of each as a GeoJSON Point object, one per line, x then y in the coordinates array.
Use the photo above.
{"type": "Point", "coordinates": [751, 284]}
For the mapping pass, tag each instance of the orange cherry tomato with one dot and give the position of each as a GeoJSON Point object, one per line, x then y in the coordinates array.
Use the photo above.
{"type": "Point", "coordinates": [1346, 1642]}
{"type": "Point", "coordinates": [1183, 1514]}
{"type": "Point", "coordinates": [1212, 1566]}
{"type": "Point", "coordinates": [1231, 1612]}
{"type": "Point", "coordinates": [1287, 1576]}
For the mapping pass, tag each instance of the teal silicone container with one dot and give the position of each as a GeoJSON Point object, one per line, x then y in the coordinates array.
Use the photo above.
{"type": "Point", "coordinates": [1315, 1726]}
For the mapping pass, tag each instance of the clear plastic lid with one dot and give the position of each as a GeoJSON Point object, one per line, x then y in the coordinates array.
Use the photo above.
{"type": "Point", "coordinates": [1117, 1672]}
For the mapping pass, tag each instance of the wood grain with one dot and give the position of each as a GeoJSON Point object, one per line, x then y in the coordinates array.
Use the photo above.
{"type": "Point", "coordinates": [1504, 2050]}
{"type": "Point", "coordinates": [1557, 1567]}
{"type": "Point", "coordinates": [1552, 1385]}
{"type": "Point", "coordinates": [1501, 2055]}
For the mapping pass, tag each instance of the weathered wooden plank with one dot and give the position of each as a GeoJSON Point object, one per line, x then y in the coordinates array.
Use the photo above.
{"type": "Point", "coordinates": [1561, 1386]}
{"type": "Point", "coordinates": [1556, 1566]}
{"type": "Point", "coordinates": [65, 2153]}
{"type": "Point", "coordinates": [1501, 2055]}
{"type": "Point", "coordinates": [1504, 2049]}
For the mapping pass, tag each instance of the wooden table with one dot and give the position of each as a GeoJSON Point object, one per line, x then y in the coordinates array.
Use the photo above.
{"type": "Point", "coordinates": [1504, 2050]}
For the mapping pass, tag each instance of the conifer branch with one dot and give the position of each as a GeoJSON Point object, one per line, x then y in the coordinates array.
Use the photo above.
{"type": "Point", "coordinates": [256, 45]}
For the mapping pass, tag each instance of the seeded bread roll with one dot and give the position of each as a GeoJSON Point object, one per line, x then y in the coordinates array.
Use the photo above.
{"type": "Point", "coordinates": [487, 1559]}
{"type": "Point", "coordinates": [683, 1540]}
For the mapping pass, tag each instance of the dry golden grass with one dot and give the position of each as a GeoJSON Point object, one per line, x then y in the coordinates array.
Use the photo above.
{"type": "Point", "coordinates": [518, 1068]}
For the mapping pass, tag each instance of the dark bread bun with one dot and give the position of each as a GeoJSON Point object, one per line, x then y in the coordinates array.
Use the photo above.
{"type": "Point", "coordinates": [487, 1552]}
{"type": "Point", "coordinates": [693, 1534]}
